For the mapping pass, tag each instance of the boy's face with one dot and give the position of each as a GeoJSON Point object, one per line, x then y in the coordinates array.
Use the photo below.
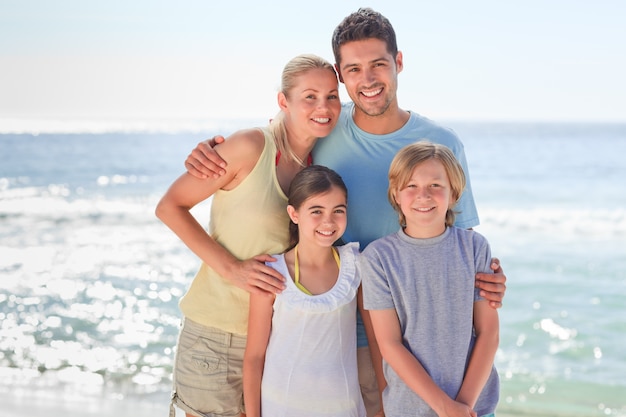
{"type": "Point", "coordinates": [425, 199]}
{"type": "Point", "coordinates": [370, 75]}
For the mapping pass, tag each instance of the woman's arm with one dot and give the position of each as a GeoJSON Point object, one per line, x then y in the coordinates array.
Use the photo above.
{"type": "Point", "coordinates": [204, 161]}
{"type": "Point", "coordinates": [242, 151]}
{"type": "Point", "coordinates": [259, 327]}
{"type": "Point", "coordinates": [388, 333]}
{"type": "Point", "coordinates": [486, 325]}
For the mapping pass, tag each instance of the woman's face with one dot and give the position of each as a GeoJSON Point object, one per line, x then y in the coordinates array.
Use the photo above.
{"type": "Point", "coordinates": [312, 105]}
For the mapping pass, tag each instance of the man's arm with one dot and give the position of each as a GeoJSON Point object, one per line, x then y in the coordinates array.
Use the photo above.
{"type": "Point", "coordinates": [173, 210]}
{"type": "Point", "coordinates": [492, 286]}
{"type": "Point", "coordinates": [204, 161]}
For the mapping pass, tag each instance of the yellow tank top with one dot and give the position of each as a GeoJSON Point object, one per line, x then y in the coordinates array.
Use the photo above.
{"type": "Point", "coordinates": [248, 220]}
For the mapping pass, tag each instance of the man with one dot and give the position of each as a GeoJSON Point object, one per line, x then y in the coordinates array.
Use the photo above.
{"type": "Point", "coordinates": [371, 130]}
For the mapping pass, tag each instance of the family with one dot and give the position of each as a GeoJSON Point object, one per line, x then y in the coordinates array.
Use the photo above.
{"type": "Point", "coordinates": [317, 296]}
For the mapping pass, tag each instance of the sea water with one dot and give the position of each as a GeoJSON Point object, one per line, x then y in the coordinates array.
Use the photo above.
{"type": "Point", "coordinates": [90, 279]}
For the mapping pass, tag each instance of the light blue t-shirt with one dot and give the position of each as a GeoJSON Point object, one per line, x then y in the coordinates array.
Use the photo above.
{"type": "Point", "coordinates": [362, 159]}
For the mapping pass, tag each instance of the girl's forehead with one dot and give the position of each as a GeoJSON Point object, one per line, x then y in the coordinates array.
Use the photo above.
{"type": "Point", "coordinates": [334, 194]}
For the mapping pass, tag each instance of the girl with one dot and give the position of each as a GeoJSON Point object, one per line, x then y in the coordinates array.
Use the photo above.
{"type": "Point", "coordinates": [300, 358]}
{"type": "Point", "coordinates": [437, 336]}
{"type": "Point", "coordinates": [248, 218]}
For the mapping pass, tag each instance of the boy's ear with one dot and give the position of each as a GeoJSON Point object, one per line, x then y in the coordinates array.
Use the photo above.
{"type": "Point", "coordinates": [293, 214]}
{"type": "Point", "coordinates": [394, 194]}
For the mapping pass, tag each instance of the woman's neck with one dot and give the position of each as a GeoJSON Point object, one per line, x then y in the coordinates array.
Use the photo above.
{"type": "Point", "coordinates": [300, 145]}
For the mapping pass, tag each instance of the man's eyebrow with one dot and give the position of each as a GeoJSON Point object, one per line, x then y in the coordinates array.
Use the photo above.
{"type": "Point", "coordinates": [382, 58]}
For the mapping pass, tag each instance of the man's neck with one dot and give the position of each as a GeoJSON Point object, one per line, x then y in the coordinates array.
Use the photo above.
{"type": "Point", "coordinates": [388, 122]}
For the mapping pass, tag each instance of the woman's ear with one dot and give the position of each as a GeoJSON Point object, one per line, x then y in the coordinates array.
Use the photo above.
{"type": "Point", "coordinates": [282, 101]}
{"type": "Point", "coordinates": [293, 214]}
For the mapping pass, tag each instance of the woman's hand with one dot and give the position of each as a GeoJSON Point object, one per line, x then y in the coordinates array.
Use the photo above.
{"type": "Point", "coordinates": [254, 276]}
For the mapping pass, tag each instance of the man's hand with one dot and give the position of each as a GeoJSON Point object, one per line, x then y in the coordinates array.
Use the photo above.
{"type": "Point", "coordinates": [255, 277]}
{"type": "Point", "coordinates": [204, 162]}
{"type": "Point", "coordinates": [492, 286]}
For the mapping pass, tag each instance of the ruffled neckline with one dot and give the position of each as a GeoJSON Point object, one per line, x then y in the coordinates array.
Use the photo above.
{"type": "Point", "coordinates": [343, 292]}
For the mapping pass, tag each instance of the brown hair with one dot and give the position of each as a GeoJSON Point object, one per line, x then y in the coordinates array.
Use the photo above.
{"type": "Point", "coordinates": [311, 181]}
{"type": "Point", "coordinates": [364, 24]}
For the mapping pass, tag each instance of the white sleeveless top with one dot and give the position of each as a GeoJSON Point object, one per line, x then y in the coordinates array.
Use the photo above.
{"type": "Point", "coordinates": [310, 363]}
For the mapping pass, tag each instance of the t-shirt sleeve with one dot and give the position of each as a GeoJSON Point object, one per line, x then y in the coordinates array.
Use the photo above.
{"type": "Point", "coordinates": [376, 290]}
{"type": "Point", "coordinates": [467, 214]}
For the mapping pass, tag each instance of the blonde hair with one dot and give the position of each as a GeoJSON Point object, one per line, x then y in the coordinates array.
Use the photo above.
{"type": "Point", "coordinates": [296, 67]}
{"type": "Point", "coordinates": [411, 156]}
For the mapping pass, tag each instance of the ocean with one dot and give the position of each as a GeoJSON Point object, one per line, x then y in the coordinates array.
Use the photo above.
{"type": "Point", "coordinates": [90, 279]}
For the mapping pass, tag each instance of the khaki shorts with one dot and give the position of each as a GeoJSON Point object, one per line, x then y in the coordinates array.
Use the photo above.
{"type": "Point", "coordinates": [208, 372]}
{"type": "Point", "coordinates": [367, 381]}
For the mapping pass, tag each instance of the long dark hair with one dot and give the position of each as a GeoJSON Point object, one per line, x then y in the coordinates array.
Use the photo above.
{"type": "Point", "coordinates": [311, 181]}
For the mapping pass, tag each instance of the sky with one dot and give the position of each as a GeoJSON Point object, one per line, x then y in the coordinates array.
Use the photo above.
{"type": "Point", "coordinates": [71, 64]}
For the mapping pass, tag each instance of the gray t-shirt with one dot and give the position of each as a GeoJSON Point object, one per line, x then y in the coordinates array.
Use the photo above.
{"type": "Point", "coordinates": [430, 284]}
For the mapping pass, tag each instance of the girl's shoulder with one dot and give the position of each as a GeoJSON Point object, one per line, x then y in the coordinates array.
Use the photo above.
{"type": "Point", "coordinates": [349, 249]}
{"type": "Point", "coordinates": [349, 255]}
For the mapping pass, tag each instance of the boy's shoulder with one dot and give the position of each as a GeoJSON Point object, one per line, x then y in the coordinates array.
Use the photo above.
{"type": "Point", "coordinates": [469, 235]}
{"type": "Point", "coordinates": [382, 243]}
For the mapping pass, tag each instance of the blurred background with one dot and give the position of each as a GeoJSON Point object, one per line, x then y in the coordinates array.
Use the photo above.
{"type": "Point", "coordinates": [100, 103]}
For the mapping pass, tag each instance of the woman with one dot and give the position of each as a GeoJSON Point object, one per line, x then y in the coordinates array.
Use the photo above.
{"type": "Point", "coordinates": [248, 218]}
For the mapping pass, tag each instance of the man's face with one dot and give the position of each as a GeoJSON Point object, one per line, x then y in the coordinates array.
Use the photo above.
{"type": "Point", "coordinates": [370, 75]}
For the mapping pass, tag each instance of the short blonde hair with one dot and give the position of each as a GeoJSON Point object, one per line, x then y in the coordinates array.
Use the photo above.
{"type": "Point", "coordinates": [411, 156]}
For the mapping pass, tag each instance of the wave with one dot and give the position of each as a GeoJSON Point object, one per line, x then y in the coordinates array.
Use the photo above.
{"type": "Point", "coordinates": [556, 221]}
{"type": "Point", "coordinates": [58, 201]}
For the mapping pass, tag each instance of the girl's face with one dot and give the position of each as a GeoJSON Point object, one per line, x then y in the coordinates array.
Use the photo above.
{"type": "Point", "coordinates": [313, 104]}
{"type": "Point", "coordinates": [425, 200]}
{"type": "Point", "coordinates": [321, 218]}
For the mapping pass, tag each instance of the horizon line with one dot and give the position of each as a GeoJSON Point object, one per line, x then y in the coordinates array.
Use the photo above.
{"type": "Point", "coordinates": [36, 126]}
